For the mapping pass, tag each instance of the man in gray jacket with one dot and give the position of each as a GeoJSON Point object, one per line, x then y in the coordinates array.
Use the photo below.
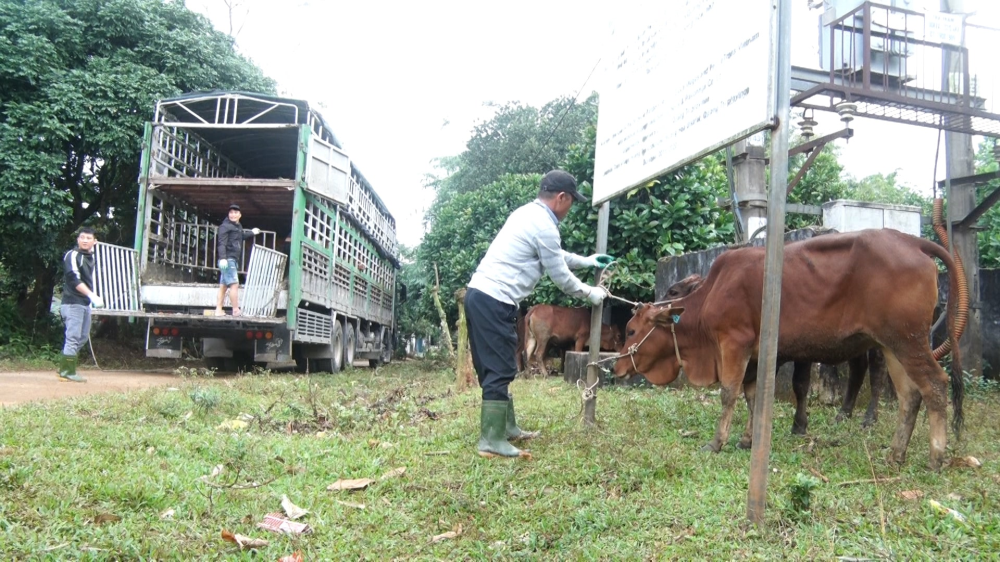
{"type": "Point", "coordinates": [527, 246]}
{"type": "Point", "coordinates": [78, 295]}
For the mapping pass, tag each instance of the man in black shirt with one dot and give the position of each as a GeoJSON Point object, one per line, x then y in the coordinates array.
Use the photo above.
{"type": "Point", "coordinates": [78, 295]}
{"type": "Point", "coordinates": [229, 248]}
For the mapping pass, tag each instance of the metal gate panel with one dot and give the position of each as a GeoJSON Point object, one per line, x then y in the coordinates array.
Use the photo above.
{"type": "Point", "coordinates": [264, 276]}
{"type": "Point", "coordinates": [116, 278]}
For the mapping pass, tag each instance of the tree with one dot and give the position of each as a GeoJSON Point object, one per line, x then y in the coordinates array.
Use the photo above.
{"type": "Point", "coordinates": [821, 183]}
{"type": "Point", "coordinates": [77, 80]}
{"type": "Point", "coordinates": [672, 214]}
{"type": "Point", "coordinates": [989, 237]}
{"type": "Point", "coordinates": [462, 232]}
{"type": "Point", "coordinates": [413, 319]}
{"type": "Point", "coordinates": [518, 139]}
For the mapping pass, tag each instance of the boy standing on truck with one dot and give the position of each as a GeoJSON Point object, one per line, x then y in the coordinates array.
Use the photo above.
{"type": "Point", "coordinates": [229, 248]}
{"type": "Point", "coordinates": [78, 295]}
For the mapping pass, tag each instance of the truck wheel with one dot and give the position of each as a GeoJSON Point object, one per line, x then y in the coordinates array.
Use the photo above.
{"type": "Point", "coordinates": [349, 345]}
{"type": "Point", "coordinates": [337, 348]}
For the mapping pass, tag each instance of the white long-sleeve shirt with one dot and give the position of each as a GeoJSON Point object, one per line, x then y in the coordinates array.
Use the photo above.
{"type": "Point", "coordinates": [527, 246]}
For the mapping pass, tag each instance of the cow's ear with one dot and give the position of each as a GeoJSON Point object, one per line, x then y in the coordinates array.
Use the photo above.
{"type": "Point", "coordinates": [668, 315]}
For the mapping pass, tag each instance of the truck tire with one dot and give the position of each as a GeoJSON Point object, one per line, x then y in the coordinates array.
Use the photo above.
{"type": "Point", "coordinates": [336, 361]}
{"type": "Point", "coordinates": [350, 343]}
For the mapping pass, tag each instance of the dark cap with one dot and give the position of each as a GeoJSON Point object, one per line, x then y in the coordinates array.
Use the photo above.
{"type": "Point", "coordinates": [558, 180]}
{"type": "Point", "coordinates": [234, 207]}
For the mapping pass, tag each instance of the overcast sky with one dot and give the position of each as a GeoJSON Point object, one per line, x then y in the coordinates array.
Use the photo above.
{"type": "Point", "coordinates": [403, 83]}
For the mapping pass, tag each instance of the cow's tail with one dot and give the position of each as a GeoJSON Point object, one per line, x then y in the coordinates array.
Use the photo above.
{"type": "Point", "coordinates": [957, 310]}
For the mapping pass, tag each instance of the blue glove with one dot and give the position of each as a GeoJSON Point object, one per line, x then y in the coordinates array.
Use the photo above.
{"type": "Point", "coordinates": [223, 264]}
{"type": "Point", "coordinates": [599, 260]}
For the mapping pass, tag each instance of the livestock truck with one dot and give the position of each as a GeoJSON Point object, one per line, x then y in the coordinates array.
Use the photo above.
{"type": "Point", "coordinates": [318, 284]}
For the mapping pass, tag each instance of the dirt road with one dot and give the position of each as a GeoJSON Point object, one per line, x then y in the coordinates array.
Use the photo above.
{"type": "Point", "coordinates": [27, 386]}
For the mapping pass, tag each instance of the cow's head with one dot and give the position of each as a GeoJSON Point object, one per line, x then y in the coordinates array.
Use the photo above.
{"type": "Point", "coordinates": [685, 286]}
{"type": "Point", "coordinates": [611, 337]}
{"type": "Point", "coordinates": [650, 344]}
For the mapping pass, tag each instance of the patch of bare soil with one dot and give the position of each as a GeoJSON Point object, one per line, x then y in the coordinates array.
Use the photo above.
{"type": "Point", "coordinates": [28, 386]}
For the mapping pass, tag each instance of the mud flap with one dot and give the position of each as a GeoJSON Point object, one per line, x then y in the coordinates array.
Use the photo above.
{"type": "Point", "coordinates": [163, 347]}
{"type": "Point", "coordinates": [278, 349]}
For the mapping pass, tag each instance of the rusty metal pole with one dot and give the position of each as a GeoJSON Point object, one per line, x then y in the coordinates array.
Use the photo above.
{"type": "Point", "coordinates": [593, 372]}
{"type": "Point", "coordinates": [960, 161]}
{"type": "Point", "coordinates": [767, 360]}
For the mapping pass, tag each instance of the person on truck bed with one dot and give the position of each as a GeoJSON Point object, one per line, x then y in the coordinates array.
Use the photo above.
{"type": "Point", "coordinates": [229, 247]}
{"type": "Point", "coordinates": [526, 246]}
{"type": "Point", "coordinates": [78, 295]}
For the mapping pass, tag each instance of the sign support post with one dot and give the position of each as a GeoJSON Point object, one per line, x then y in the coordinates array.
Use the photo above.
{"type": "Point", "coordinates": [767, 360]}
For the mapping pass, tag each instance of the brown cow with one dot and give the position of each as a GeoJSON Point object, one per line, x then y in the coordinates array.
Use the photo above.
{"type": "Point", "coordinates": [833, 308]}
{"type": "Point", "coordinates": [871, 362]}
{"type": "Point", "coordinates": [548, 325]}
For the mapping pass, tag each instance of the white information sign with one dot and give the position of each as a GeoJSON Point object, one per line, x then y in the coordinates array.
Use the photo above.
{"type": "Point", "coordinates": [684, 79]}
{"type": "Point", "coordinates": [943, 28]}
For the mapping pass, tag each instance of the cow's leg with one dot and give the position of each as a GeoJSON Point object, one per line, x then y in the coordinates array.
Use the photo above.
{"type": "Point", "coordinates": [734, 365]}
{"type": "Point", "coordinates": [876, 379]}
{"type": "Point", "coordinates": [541, 348]}
{"type": "Point", "coordinates": [857, 367]}
{"type": "Point", "coordinates": [750, 393]}
{"type": "Point", "coordinates": [917, 376]}
{"type": "Point", "coordinates": [581, 342]}
{"type": "Point", "coordinates": [530, 344]}
{"type": "Point", "coordinates": [801, 375]}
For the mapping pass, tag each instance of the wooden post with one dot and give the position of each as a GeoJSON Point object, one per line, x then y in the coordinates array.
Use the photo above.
{"type": "Point", "coordinates": [445, 332]}
{"type": "Point", "coordinates": [767, 360]}
{"type": "Point", "coordinates": [465, 377]}
{"type": "Point", "coordinates": [593, 373]}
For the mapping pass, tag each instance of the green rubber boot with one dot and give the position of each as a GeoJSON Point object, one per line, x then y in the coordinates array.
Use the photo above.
{"type": "Point", "coordinates": [515, 433]}
{"type": "Point", "coordinates": [492, 438]}
{"type": "Point", "coordinates": [67, 370]}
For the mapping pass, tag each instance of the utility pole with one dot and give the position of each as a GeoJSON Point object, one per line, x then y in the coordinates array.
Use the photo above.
{"type": "Point", "coordinates": [960, 163]}
{"type": "Point", "coordinates": [751, 184]}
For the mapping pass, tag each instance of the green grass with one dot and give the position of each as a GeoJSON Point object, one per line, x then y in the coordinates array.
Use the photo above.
{"type": "Point", "coordinates": [636, 487]}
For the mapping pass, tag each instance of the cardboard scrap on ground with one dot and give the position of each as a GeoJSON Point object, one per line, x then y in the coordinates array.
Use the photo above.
{"type": "Point", "coordinates": [275, 522]}
{"type": "Point", "coordinates": [291, 510]}
{"type": "Point", "coordinates": [352, 484]}
{"type": "Point", "coordinates": [448, 535]}
{"type": "Point", "coordinates": [362, 483]}
{"type": "Point", "coordinates": [244, 541]}
{"type": "Point", "coordinates": [399, 471]}
{"type": "Point", "coordinates": [293, 557]}
{"type": "Point", "coordinates": [911, 494]}
{"type": "Point", "coordinates": [354, 505]}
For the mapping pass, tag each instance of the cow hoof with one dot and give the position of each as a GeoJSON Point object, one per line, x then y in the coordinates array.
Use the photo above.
{"type": "Point", "coordinates": [711, 448]}
{"type": "Point", "coordinates": [898, 458]}
{"type": "Point", "coordinates": [798, 429]}
{"type": "Point", "coordinates": [841, 417]}
{"type": "Point", "coordinates": [744, 444]}
{"type": "Point", "coordinates": [936, 464]}
{"type": "Point", "coordinates": [868, 423]}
